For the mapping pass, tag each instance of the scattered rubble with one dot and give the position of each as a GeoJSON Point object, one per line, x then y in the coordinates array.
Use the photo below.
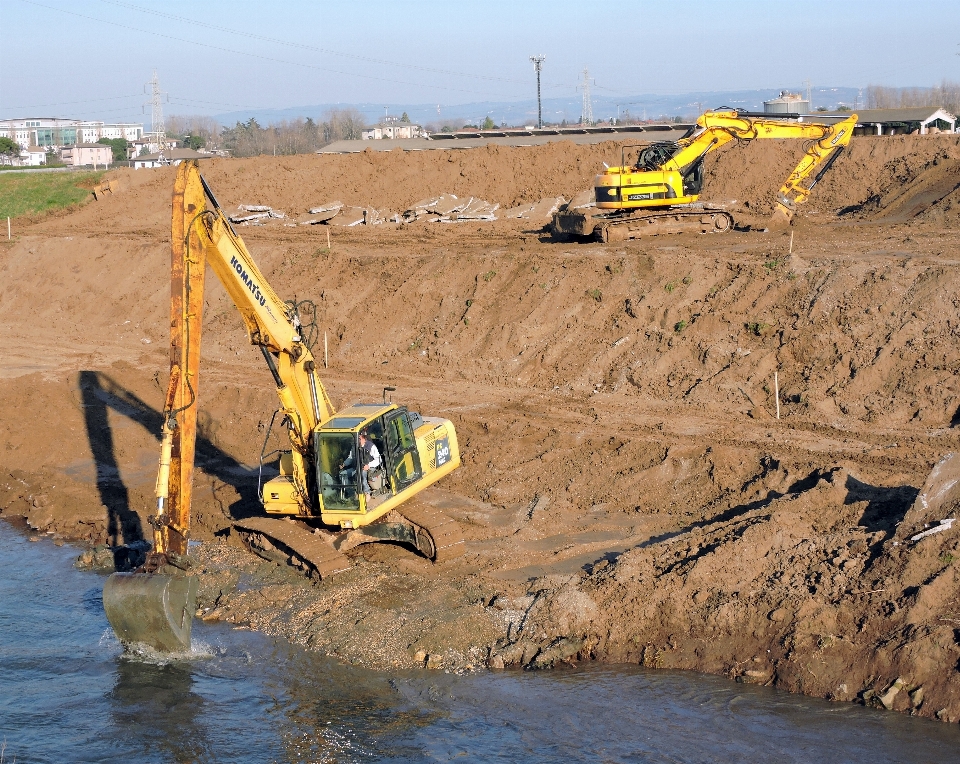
{"type": "Point", "coordinates": [447, 208]}
{"type": "Point", "coordinates": [257, 212]}
{"type": "Point", "coordinates": [542, 210]}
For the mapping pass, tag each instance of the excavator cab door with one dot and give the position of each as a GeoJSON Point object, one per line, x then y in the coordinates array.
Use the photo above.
{"type": "Point", "coordinates": [402, 458]}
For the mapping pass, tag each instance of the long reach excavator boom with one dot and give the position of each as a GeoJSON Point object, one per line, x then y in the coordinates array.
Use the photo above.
{"type": "Point", "coordinates": [661, 192]}
{"type": "Point", "coordinates": [349, 470]}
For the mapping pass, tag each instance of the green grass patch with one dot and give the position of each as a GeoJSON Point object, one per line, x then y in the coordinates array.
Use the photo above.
{"type": "Point", "coordinates": [29, 193]}
{"type": "Point", "coordinates": [679, 326]}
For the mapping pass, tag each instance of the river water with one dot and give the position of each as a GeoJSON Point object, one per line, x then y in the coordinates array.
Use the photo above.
{"type": "Point", "coordinates": [67, 694]}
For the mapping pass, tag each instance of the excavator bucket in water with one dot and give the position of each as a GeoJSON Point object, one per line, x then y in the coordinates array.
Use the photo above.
{"type": "Point", "coordinates": [151, 609]}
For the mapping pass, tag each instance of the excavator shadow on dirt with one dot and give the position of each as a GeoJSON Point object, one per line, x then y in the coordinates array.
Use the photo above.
{"type": "Point", "coordinates": [100, 394]}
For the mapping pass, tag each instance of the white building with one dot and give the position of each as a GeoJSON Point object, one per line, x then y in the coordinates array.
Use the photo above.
{"type": "Point", "coordinates": [33, 156]}
{"type": "Point", "coordinates": [168, 157]}
{"type": "Point", "coordinates": [392, 130]}
{"type": "Point", "coordinates": [53, 132]}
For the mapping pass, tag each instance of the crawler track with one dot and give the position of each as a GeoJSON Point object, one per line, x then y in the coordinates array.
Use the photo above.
{"type": "Point", "coordinates": [617, 226]}
{"type": "Point", "coordinates": [287, 538]}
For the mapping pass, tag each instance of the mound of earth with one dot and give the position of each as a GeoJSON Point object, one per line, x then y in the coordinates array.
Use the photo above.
{"type": "Point", "coordinates": [627, 490]}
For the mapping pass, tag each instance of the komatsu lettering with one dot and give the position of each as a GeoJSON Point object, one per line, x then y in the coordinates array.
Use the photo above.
{"type": "Point", "coordinates": [248, 282]}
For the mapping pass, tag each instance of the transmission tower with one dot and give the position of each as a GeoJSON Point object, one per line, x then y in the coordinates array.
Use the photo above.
{"type": "Point", "coordinates": [538, 64]}
{"type": "Point", "coordinates": [587, 118]}
{"type": "Point", "coordinates": [156, 120]}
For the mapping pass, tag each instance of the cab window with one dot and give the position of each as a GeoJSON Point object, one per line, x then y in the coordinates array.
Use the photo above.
{"type": "Point", "coordinates": [337, 481]}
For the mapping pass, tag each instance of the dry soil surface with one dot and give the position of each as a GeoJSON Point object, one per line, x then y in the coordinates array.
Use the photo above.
{"type": "Point", "coordinates": [627, 491]}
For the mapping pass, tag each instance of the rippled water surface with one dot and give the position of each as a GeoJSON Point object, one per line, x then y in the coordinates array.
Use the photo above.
{"type": "Point", "coordinates": [67, 694]}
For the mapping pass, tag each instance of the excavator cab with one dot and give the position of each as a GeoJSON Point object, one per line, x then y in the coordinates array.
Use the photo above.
{"type": "Point", "coordinates": [415, 452]}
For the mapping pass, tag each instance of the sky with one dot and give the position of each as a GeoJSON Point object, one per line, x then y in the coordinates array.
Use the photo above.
{"type": "Point", "coordinates": [93, 59]}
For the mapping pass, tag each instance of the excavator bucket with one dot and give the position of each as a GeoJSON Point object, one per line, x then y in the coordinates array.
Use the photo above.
{"type": "Point", "coordinates": [151, 609]}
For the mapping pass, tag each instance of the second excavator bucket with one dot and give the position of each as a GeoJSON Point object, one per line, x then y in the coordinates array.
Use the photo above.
{"type": "Point", "coordinates": [151, 609]}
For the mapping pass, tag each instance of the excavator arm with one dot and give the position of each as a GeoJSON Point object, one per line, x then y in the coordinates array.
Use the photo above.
{"type": "Point", "coordinates": [155, 606]}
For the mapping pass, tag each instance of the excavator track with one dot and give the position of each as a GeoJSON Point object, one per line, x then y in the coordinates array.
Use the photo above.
{"type": "Point", "coordinates": [620, 226]}
{"type": "Point", "coordinates": [445, 532]}
{"type": "Point", "coordinates": [288, 538]}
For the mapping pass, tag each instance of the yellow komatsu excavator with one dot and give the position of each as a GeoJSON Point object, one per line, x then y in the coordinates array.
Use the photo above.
{"type": "Point", "coordinates": [660, 193]}
{"type": "Point", "coordinates": [343, 479]}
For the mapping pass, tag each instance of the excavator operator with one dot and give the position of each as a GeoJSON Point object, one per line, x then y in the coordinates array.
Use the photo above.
{"type": "Point", "coordinates": [369, 459]}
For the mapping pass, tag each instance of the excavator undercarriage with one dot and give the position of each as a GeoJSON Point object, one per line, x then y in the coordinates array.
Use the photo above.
{"type": "Point", "coordinates": [620, 225]}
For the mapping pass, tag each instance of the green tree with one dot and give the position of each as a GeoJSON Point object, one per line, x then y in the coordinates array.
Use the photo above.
{"type": "Point", "coordinates": [118, 146]}
{"type": "Point", "coordinates": [844, 107]}
{"type": "Point", "coordinates": [9, 148]}
{"type": "Point", "coordinates": [194, 142]}
{"type": "Point", "coordinates": [405, 118]}
{"type": "Point", "coordinates": [489, 124]}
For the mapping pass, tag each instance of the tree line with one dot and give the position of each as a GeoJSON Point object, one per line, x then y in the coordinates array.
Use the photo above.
{"type": "Point", "coordinates": [250, 138]}
{"type": "Point", "coordinates": [945, 95]}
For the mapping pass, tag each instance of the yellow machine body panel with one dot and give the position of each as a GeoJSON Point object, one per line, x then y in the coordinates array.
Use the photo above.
{"type": "Point", "coordinates": [620, 188]}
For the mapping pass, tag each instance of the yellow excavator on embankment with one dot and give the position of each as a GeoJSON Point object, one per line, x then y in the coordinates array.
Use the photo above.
{"type": "Point", "coordinates": [660, 193]}
{"type": "Point", "coordinates": [344, 478]}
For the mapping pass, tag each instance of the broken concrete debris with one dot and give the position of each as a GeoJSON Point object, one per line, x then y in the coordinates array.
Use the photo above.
{"type": "Point", "coordinates": [257, 212]}
{"type": "Point", "coordinates": [444, 208]}
{"type": "Point", "coordinates": [541, 210]}
{"type": "Point", "coordinates": [447, 208]}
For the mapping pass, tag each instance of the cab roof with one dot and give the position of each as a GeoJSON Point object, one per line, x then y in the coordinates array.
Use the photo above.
{"type": "Point", "coordinates": [357, 416]}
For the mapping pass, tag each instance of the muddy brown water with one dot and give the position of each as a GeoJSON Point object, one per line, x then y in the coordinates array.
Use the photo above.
{"type": "Point", "coordinates": [69, 694]}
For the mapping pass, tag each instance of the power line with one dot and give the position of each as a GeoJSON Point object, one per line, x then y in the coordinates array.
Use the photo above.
{"type": "Point", "coordinates": [252, 55]}
{"type": "Point", "coordinates": [70, 103]}
{"type": "Point", "coordinates": [328, 51]}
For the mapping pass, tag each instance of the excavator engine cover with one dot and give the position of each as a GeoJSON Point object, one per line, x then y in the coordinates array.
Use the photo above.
{"type": "Point", "coordinates": [151, 609]}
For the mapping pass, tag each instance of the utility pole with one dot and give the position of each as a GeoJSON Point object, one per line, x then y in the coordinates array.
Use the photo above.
{"type": "Point", "coordinates": [538, 64]}
{"type": "Point", "coordinates": [809, 95]}
{"type": "Point", "coordinates": [587, 118]}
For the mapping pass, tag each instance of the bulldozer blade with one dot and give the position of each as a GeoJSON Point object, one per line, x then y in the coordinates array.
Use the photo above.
{"type": "Point", "coordinates": [151, 609]}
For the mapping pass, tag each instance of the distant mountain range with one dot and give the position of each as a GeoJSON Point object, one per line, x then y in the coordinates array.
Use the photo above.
{"type": "Point", "coordinates": [644, 106]}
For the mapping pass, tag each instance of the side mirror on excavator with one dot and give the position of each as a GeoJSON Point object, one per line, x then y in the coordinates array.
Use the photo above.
{"type": "Point", "coordinates": [388, 390]}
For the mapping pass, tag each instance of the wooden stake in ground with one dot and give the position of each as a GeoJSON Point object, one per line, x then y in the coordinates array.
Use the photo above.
{"type": "Point", "coordinates": [326, 360]}
{"type": "Point", "coordinates": [776, 383]}
{"type": "Point", "coordinates": [8, 229]}
{"type": "Point", "coordinates": [791, 244]}
{"type": "Point", "coordinates": [328, 240]}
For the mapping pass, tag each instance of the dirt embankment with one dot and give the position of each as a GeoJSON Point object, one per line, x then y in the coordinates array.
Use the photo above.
{"type": "Point", "coordinates": [627, 491]}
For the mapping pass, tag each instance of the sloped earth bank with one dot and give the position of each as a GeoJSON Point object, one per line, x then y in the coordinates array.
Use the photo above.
{"type": "Point", "coordinates": [627, 491]}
